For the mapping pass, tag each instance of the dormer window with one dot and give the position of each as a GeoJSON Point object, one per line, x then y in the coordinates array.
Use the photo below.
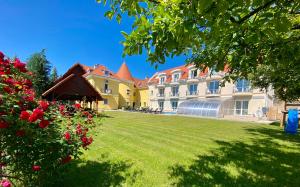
{"type": "Point", "coordinates": [176, 77]}
{"type": "Point", "coordinates": [162, 80]}
{"type": "Point", "coordinates": [213, 70]}
{"type": "Point", "coordinates": [194, 74]}
{"type": "Point", "coordinates": [106, 73]}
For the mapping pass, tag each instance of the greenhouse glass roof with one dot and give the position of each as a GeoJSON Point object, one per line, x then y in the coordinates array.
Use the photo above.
{"type": "Point", "coordinates": [205, 108]}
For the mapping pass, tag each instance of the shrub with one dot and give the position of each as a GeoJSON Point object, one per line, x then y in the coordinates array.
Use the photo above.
{"type": "Point", "coordinates": [37, 137]}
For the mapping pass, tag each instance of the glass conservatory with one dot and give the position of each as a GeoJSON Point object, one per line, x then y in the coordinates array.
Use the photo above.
{"type": "Point", "coordinates": [206, 108]}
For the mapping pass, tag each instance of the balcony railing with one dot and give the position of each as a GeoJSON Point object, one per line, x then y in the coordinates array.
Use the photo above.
{"type": "Point", "coordinates": [160, 95]}
{"type": "Point", "coordinates": [175, 81]}
{"type": "Point", "coordinates": [106, 91]}
{"type": "Point", "coordinates": [213, 91]}
{"type": "Point", "coordinates": [172, 94]}
{"type": "Point", "coordinates": [192, 93]}
{"type": "Point", "coordinates": [242, 89]}
{"type": "Point", "coordinates": [161, 84]}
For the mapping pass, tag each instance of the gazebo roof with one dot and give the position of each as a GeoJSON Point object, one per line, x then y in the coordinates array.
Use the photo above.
{"type": "Point", "coordinates": [72, 86]}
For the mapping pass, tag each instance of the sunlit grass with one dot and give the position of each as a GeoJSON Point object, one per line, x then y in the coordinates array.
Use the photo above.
{"type": "Point", "coordinates": [135, 149]}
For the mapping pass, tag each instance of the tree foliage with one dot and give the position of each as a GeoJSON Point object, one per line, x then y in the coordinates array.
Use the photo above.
{"type": "Point", "coordinates": [40, 68]}
{"type": "Point", "coordinates": [53, 75]}
{"type": "Point", "coordinates": [258, 39]}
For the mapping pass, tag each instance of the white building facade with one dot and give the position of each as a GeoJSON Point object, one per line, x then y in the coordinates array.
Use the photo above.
{"type": "Point", "coordinates": [169, 88]}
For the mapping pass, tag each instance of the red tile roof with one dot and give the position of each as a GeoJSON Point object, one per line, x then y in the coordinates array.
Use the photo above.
{"type": "Point", "coordinates": [184, 69]}
{"type": "Point", "coordinates": [124, 73]}
{"type": "Point", "coordinates": [141, 83]}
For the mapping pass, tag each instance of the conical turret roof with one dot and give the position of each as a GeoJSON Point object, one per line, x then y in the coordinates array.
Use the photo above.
{"type": "Point", "coordinates": [124, 73]}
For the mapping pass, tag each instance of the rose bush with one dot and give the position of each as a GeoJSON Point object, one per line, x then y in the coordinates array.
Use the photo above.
{"type": "Point", "coordinates": [37, 137]}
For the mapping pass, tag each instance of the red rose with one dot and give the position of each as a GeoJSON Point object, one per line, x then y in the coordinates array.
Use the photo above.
{"type": "Point", "coordinates": [77, 106]}
{"type": "Point", "coordinates": [86, 141]}
{"type": "Point", "coordinates": [5, 183]}
{"type": "Point", "coordinates": [67, 159]}
{"type": "Point", "coordinates": [3, 125]}
{"type": "Point", "coordinates": [36, 168]}
{"type": "Point", "coordinates": [27, 83]}
{"type": "Point", "coordinates": [62, 109]}
{"type": "Point", "coordinates": [19, 65]}
{"type": "Point", "coordinates": [44, 105]}
{"type": "Point", "coordinates": [20, 133]}
{"type": "Point", "coordinates": [24, 115]}
{"type": "Point", "coordinates": [67, 136]}
{"type": "Point", "coordinates": [36, 114]}
{"type": "Point", "coordinates": [78, 129]}
{"type": "Point", "coordinates": [7, 89]}
{"type": "Point", "coordinates": [44, 123]}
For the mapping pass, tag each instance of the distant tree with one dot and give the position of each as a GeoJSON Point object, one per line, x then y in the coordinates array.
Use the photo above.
{"type": "Point", "coordinates": [40, 67]}
{"type": "Point", "coordinates": [53, 75]}
{"type": "Point", "coordinates": [257, 39]}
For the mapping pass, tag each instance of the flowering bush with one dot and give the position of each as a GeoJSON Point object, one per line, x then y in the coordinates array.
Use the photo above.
{"type": "Point", "coordinates": [37, 137]}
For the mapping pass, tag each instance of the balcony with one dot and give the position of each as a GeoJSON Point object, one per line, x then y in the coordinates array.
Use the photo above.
{"type": "Point", "coordinates": [192, 93]}
{"type": "Point", "coordinates": [161, 85]}
{"type": "Point", "coordinates": [193, 79]}
{"type": "Point", "coordinates": [174, 82]}
{"type": "Point", "coordinates": [213, 92]}
{"type": "Point", "coordinates": [106, 91]}
{"type": "Point", "coordinates": [160, 95]}
{"type": "Point", "coordinates": [174, 95]}
{"type": "Point", "coordinates": [242, 91]}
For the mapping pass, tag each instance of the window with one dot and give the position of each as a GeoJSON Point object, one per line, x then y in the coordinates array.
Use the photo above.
{"type": "Point", "coordinates": [241, 107]}
{"type": "Point", "coordinates": [193, 74]}
{"type": "Point", "coordinates": [145, 104]}
{"type": "Point", "coordinates": [174, 105]}
{"type": "Point", "coordinates": [213, 87]}
{"type": "Point", "coordinates": [213, 70]}
{"type": "Point", "coordinates": [106, 86]}
{"type": "Point", "coordinates": [176, 77]}
{"type": "Point", "coordinates": [174, 91]}
{"type": "Point", "coordinates": [106, 73]}
{"type": "Point", "coordinates": [105, 101]}
{"type": "Point", "coordinates": [242, 85]}
{"type": "Point", "coordinates": [161, 105]}
{"type": "Point", "coordinates": [162, 80]}
{"type": "Point", "coordinates": [193, 89]}
{"type": "Point", "coordinates": [128, 92]}
{"type": "Point", "coordinates": [161, 92]}
{"type": "Point", "coordinates": [151, 92]}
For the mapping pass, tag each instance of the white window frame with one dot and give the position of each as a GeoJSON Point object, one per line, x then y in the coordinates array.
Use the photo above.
{"type": "Point", "coordinates": [161, 105]}
{"type": "Point", "coordinates": [174, 101]}
{"type": "Point", "coordinates": [242, 109]}
{"type": "Point", "coordinates": [162, 80]}
{"type": "Point", "coordinates": [174, 75]}
{"type": "Point", "coordinates": [214, 90]}
{"type": "Point", "coordinates": [193, 92]}
{"type": "Point", "coordinates": [175, 90]}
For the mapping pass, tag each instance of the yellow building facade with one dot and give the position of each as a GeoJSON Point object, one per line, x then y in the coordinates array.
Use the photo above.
{"type": "Point", "coordinates": [118, 90]}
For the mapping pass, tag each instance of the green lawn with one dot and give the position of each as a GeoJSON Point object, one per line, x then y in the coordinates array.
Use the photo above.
{"type": "Point", "coordinates": [134, 149]}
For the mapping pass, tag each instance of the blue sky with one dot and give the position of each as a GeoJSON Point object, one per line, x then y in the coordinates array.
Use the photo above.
{"type": "Point", "coordinates": [70, 31]}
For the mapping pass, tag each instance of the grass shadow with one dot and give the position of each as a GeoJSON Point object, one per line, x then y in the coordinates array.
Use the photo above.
{"type": "Point", "coordinates": [92, 173]}
{"type": "Point", "coordinates": [103, 115]}
{"type": "Point", "coordinates": [275, 123]}
{"type": "Point", "coordinates": [272, 158]}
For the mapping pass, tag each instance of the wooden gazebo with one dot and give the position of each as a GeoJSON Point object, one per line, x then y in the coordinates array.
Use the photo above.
{"type": "Point", "coordinates": [72, 86]}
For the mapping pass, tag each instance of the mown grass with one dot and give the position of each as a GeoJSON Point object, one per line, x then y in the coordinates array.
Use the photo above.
{"type": "Point", "coordinates": [134, 149]}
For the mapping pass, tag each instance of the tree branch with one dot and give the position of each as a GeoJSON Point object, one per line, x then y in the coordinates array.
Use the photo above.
{"type": "Point", "coordinates": [296, 27]}
{"type": "Point", "coordinates": [252, 13]}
